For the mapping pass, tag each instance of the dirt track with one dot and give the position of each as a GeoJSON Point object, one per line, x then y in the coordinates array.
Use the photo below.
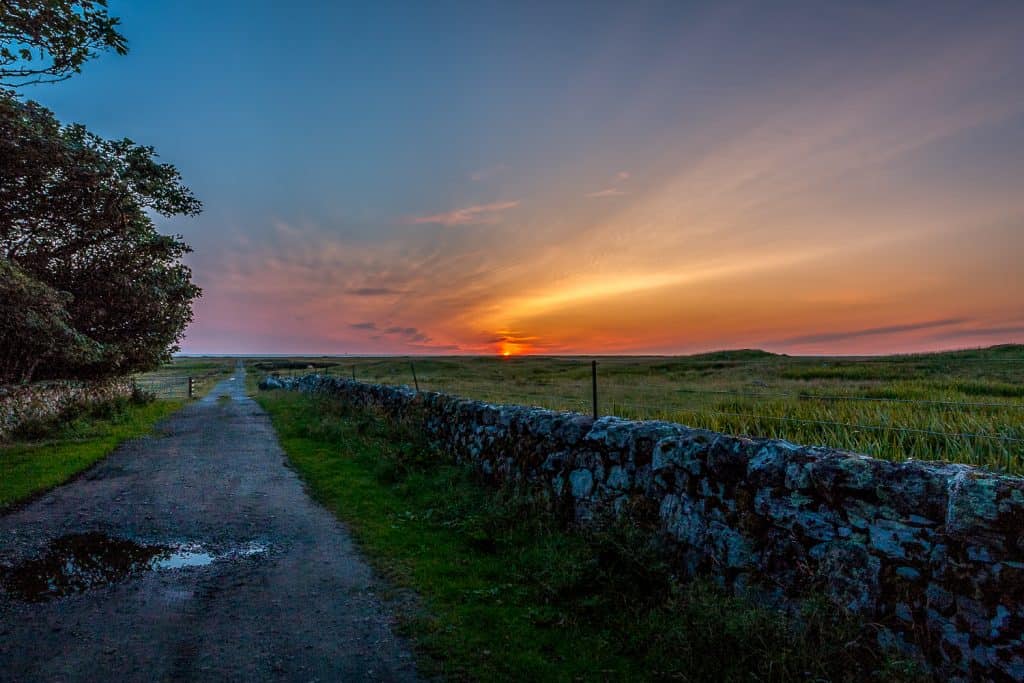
{"type": "Point", "coordinates": [285, 597]}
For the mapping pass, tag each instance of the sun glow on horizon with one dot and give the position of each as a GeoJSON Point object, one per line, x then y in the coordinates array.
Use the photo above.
{"type": "Point", "coordinates": [825, 190]}
{"type": "Point", "coordinates": [507, 349]}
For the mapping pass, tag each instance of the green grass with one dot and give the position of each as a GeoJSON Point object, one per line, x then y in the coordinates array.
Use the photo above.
{"type": "Point", "coordinates": [899, 407]}
{"type": "Point", "coordinates": [508, 593]}
{"type": "Point", "coordinates": [46, 455]}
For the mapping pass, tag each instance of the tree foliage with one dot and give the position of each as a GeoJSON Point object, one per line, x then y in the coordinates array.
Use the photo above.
{"type": "Point", "coordinates": [75, 216]}
{"type": "Point", "coordinates": [88, 287]}
{"type": "Point", "coordinates": [49, 40]}
{"type": "Point", "coordinates": [35, 327]}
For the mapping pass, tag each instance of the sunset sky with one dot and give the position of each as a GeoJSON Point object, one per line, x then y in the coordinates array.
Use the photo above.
{"type": "Point", "coordinates": [478, 177]}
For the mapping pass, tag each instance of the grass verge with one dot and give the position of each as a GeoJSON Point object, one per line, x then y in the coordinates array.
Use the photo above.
{"type": "Point", "coordinates": [45, 455]}
{"type": "Point", "coordinates": [509, 594]}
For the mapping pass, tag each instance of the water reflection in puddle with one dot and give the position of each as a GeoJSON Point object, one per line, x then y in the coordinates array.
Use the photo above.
{"type": "Point", "coordinates": [185, 556]}
{"type": "Point", "coordinates": [78, 562]}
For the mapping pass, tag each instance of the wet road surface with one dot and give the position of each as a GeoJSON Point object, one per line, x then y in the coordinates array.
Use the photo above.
{"type": "Point", "coordinates": [192, 555]}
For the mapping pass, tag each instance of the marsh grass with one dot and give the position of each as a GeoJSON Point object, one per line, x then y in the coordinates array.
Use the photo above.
{"type": "Point", "coordinates": [510, 593]}
{"type": "Point", "coordinates": [965, 406]}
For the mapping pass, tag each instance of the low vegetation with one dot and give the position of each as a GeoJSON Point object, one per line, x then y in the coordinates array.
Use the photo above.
{"type": "Point", "coordinates": [508, 593]}
{"type": "Point", "coordinates": [965, 406]}
{"type": "Point", "coordinates": [43, 455]}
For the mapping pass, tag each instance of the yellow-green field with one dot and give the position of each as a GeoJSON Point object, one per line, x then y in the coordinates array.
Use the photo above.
{"type": "Point", "coordinates": [964, 406]}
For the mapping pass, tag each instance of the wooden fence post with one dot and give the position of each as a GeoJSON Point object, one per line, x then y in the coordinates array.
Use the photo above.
{"type": "Point", "coordinates": [593, 383]}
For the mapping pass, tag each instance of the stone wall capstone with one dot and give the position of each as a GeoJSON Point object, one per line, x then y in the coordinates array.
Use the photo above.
{"type": "Point", "coordinates": [24, 403]}
{"type": "Point", "coordinates": [931, 553]}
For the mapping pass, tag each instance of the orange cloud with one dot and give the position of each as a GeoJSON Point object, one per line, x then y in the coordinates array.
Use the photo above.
{"type": "Point", "coordinates": [803, 218]}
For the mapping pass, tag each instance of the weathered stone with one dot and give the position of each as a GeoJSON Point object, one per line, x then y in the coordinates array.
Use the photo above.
{"type": "Point", "coordinates": [558, 484]}
{"type": "Point", "coordinates": [555, 462]}
{"type": "Point", "coordinates": [270, 382]}
{"type": "Point", "coordinates": [935, 552]}
{"type": "Point", "coordinates": [682, 520]}
{"type": "Point", "coordinates": [769, 467]}
{"type": "Point", "coordinates": [687, 451]}
{"type": "Point", "coordinates": [939, 598]}
{"type": "Point", "coordinates": [972, 503]}
{"type": "Point", "coordinates": [898, 541]}
{"type": "Point", "coordinates": [618, 478]}
{"type": "Point", "coordinates": [903, 613]}
{"type": "Point", "coordinates": [732, 548]}
{"type": "Point", "coordinates": [25, 403]}
{"type": "Point", "coordinates": [908, 573]}
{"type": "Point", "coordinates": [850, 575]}
{"type": "Point", "coordinates": [581, 482]}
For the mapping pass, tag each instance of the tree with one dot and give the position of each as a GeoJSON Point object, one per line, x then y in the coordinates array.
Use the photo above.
{"type": "Point", "coordinates": [43, 41]}
{"type": "Point", "coordinates": [89, 287]}
{"type": "Point", "coordinates": [35, 327]}
{"type": "Point", "coordinates": [75, 217]}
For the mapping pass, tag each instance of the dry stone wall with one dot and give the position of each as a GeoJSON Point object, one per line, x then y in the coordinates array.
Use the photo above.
{"type": "Point", "coordinates": [30, 402]}
{"type": "Point", "coordinates": [931, 553]}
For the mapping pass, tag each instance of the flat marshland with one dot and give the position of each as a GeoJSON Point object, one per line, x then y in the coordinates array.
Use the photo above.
{"type": "Point", "coordinates": [962, 406]}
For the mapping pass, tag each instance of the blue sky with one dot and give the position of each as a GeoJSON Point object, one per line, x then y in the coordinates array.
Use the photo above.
{"type": "Point", "coordinates": [574, 177]}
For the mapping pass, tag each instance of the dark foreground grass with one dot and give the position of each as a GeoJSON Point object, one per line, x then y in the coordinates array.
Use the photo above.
{"type": "Point", "coordinates": [509, 594]}
{"type": "Point", "coordinates": [44, 455]}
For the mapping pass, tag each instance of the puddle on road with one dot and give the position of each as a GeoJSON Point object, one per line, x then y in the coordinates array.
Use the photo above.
{"type": "Point", "coordinates": [182, 558]}
{"type": "Point", "coordinates": [79, 562]}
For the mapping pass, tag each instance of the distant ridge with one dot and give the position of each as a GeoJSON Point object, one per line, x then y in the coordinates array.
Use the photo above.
{"type": "Point", "coordinates": [736, 354]}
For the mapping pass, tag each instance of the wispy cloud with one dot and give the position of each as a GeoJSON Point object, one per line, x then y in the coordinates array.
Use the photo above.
{"type": "Point", "coordinates": [485, 173]}
{"type": "Point", "coordinates": [873, 331]}
{"type": "Point", "coordinates": [409, 334]}
{"type": "Point", "coordinates": [374, 291]}
{"type": "Point", "coordinates": [478, 214]}
{"type": "Point", "coordinates": [607, 192]}
{"type": "Point", "coordinates": [613, 190]}
{"type": "Point", "coordinates": [512, 337]}
{"type": "Point", "coordinates": [1007, 331]}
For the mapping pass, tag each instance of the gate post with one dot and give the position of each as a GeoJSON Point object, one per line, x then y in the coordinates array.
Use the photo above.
{"type": "Point", "coordinates": [593, 382]}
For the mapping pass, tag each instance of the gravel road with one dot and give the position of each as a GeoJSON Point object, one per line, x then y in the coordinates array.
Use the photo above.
{"type": "Point", "coordinates": [238, 575]}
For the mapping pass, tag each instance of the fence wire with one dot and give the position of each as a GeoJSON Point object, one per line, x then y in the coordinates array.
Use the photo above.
{"type": "Point", "coordinates": [826, 423]}
{"type": "Point", "coordinates": [163, 386]}
{"type": "Point", "coordinates": [839, 397]}
{"type": "Point", "coordinates": [941, 427]}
